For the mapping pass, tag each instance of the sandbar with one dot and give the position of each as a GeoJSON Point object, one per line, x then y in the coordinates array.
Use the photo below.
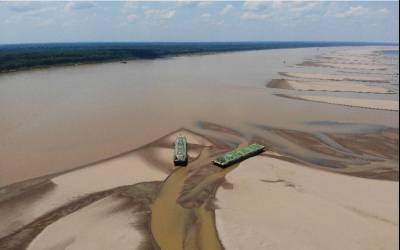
{"type": "Point", "coordinates": [294, 207]}
{"type": "Point", "coordinates": [331, 86]}
{"type": "Point", "coordinates": [391, 105]}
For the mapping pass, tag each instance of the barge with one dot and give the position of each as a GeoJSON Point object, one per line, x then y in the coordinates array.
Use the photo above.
{"type": "Point", "coordinates": [180, 158]}
{"type": "Point", "coordinates": [238, 155]}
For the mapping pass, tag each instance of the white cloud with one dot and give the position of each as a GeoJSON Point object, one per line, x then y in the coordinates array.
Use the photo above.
{"type": "Point", "coordinates": [132, 18]}
{"type": "Point", "coordinates": [353, 11]}
{"type": "Point", "coordinates": [279, 10]}
{"type": "Point", "coordinates": [254, 16]}
{"type": "Point", "coordinates": [302, 6]}
{"type": "Point", "coordinates": [384, 11]}
{"type": "Point", "coordinates": [78, 5]}
{"type": "Point", "coordinates": [204, 3]}
{"type": "Point", "coordinates": [181, 3]}
{"type": "Point", "coordinates": [27, 11]}
{"type": "Point", "coordinates": [226, 9]}
{"type": "Point", "coordinates": [256, 10]}
{"type": "Point", "coordinates": [205, 15]}
{"type": "Point", "coordinates": [256, 5]}
{"type": "Point", "coordinates": [23, 6]}
{"type": "Point", "coordinates": [159, 14]}
{"type": "Point", "coordinates": [292, 5]}
{"type": "Point", "coordinates": [130, 5]}
{"type": "Point", "coordinates": [219, 22]}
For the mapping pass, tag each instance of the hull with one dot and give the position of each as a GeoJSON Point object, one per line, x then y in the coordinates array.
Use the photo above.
{"type": "Point", "coordinates": [180, 156]}
{"type": "Point", "coordinates": [238, 155]}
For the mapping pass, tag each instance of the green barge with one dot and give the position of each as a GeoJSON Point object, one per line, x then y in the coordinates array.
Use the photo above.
{"type": "Point", "coordinates": [238, 155]}
{"type": "Point", "coordinates": [180, 158]}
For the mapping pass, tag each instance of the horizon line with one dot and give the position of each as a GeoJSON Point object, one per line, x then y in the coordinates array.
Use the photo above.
{"type": "Point", "coordinates": [227, 41]}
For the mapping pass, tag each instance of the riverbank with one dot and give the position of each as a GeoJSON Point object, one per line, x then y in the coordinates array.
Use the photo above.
{"type": "Point", "coordinates": [17, 57]}
{"type": "Point", "coordinates": [293, 207]}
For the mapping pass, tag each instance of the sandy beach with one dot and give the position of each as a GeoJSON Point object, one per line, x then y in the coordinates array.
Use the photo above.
{"type": "Point", "coordinates": [352, 102]}
{"type": "Point", "coordinates": [331, 86]}
{"type": "Point", "coordinates": [93, 169]}
{"type": "Point", "coordinates": [292, 207]}
{"type": "Point", "coordinates": [367, 73]}
{"type": "Point", "coordinates": [334, 77]}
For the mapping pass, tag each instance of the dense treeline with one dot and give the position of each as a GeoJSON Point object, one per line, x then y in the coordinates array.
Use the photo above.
{"type": "Point", "coordinates": [17, 57]}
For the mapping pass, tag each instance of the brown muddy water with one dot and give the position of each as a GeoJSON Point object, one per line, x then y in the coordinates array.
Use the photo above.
{"type": "Point", "coordinates": [58, 119]}
{"type": "Point", "coordinates": [182, 215]}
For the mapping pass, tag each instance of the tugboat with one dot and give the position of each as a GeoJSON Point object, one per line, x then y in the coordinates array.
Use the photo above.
{"type": "Point", "coordinates": [180, 158]}
{"type": "Point", "coordinates": [238, 155]}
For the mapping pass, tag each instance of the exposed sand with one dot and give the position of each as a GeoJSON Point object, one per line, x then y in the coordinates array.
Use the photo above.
{"type": "Point", "coordinates": [124, 170]}
{"type": "Point", "coordinates": [354, 66]}
{"type": "Point", "coordinates": [279, 205]}
{"type": "Point", "coordinates": [371, 152]}
{"type": "Point", "coordinates": [127, 169]}
{"type": "Point", "coordinates": [101, 225]}
{"type": "Point", "coordinates": [287, 201]}
{"type": "Point", "coordinates": [347, 70]}
{"type": "Point", "coordinates": [391, 105]}
{"type": "Point", "coordinates": [335, 77]}
{"type": "Point", "coordinates": [97, 221]}
{"type": "Point", "coordinates": [333, 86]}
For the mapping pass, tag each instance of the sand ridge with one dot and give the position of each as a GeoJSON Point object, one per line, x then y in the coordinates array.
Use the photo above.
{"type": "Point", "coordinates": [204, 207]}
{"type": "Point", "coordinates": [58, 212]}
{"type": "Point", "coordinates": [390, 105]}
{"type": "Point", "coordinates": [360, 71]}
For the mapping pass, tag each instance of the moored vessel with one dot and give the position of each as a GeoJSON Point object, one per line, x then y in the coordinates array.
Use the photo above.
{"type": "Point", "coordinates": [238, 155]}
{"type": "Point", "coordinates": [180, 156]}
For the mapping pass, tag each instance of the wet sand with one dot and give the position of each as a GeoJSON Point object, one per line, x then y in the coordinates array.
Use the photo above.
{"type": "Point", "coordinates": [372, 152]}
{"type": "Point", "coordinates": [330, 86]}
{"type": "Point", "coordinates": [390, 105]}
{"type": "Point", "coordinates": [334, 77]}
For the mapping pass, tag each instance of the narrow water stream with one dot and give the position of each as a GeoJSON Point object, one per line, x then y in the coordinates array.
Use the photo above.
{"type": "Point", "coordinates": [169, 219]}
{"type": "Point", "coordinates": [174, 226]}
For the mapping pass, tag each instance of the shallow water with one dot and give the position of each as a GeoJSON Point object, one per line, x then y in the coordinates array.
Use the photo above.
{"type": "Point", "coordinates": [58, 119]}
{"type": "Point", "coordinates": [175, 226]}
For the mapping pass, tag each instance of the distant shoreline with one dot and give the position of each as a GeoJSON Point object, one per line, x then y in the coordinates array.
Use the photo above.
{"type": "Point", "coordinates": [19, 57]}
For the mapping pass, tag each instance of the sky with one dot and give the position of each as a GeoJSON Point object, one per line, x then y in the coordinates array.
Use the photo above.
{"type": "Point", "coordinates": [187, 21]}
